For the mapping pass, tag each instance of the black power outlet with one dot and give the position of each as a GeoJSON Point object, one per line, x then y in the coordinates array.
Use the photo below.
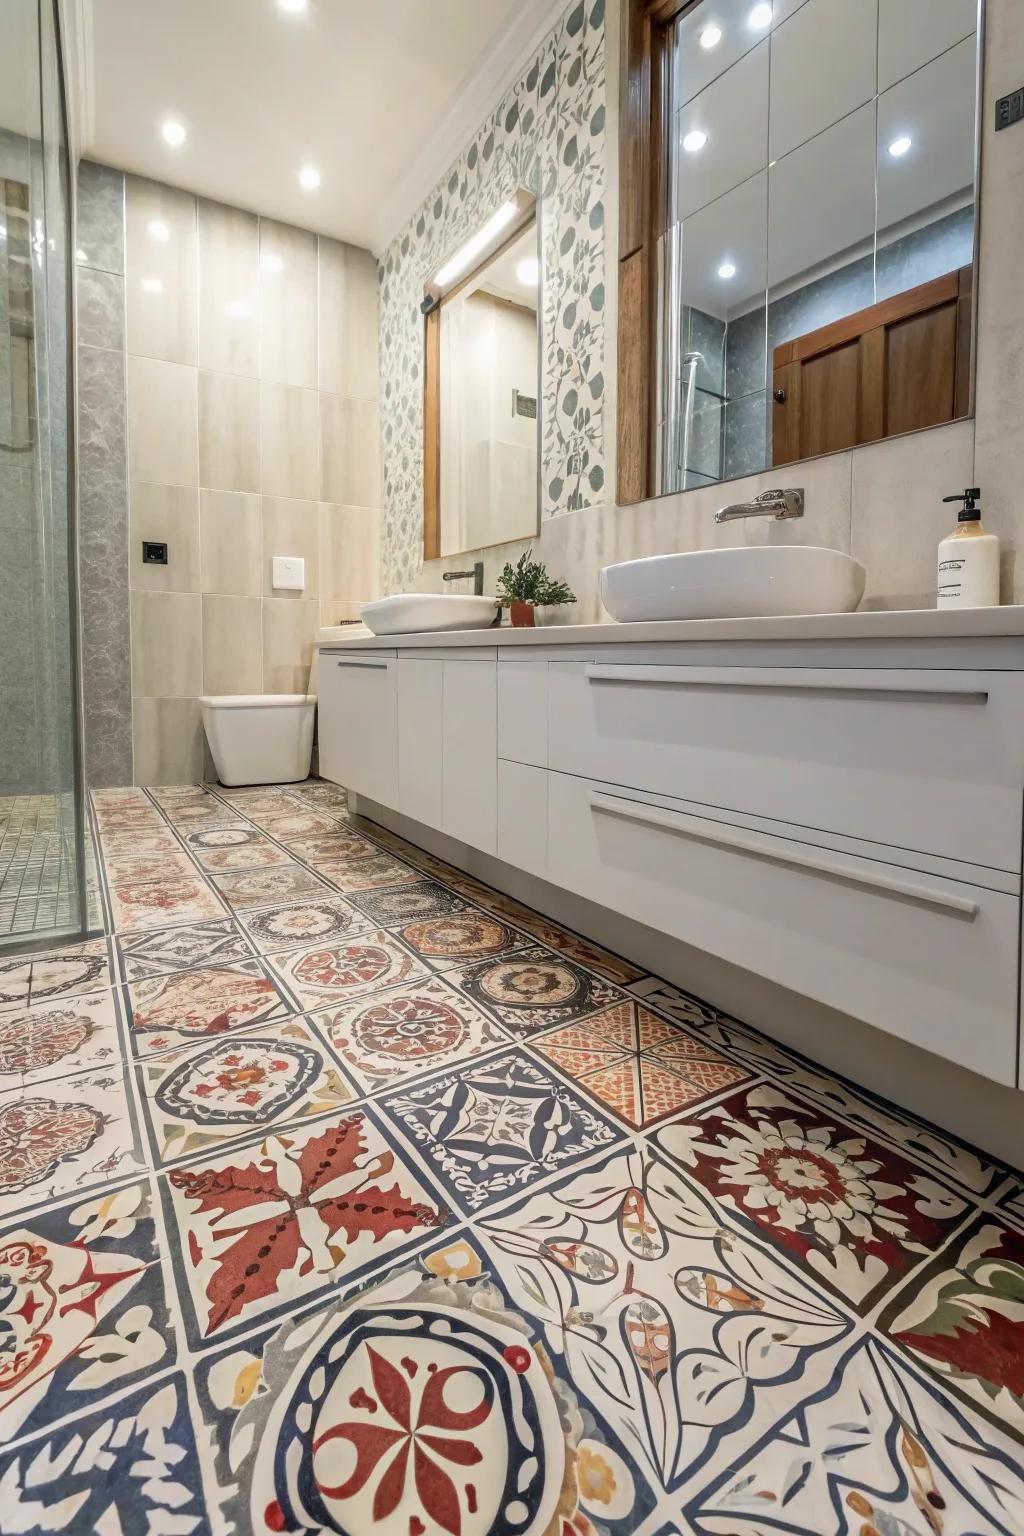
{"type": "Point", "coordinates": [153, 553]}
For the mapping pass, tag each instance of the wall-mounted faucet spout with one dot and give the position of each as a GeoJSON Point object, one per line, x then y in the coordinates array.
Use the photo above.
{"type": "Point", "coordinates": [477, 574]}
{"type": "Point", "coordinates": [777, 504]}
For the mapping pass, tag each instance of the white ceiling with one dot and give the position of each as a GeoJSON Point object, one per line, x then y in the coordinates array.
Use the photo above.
{"type": "Point", "coordinates": [380, 98]}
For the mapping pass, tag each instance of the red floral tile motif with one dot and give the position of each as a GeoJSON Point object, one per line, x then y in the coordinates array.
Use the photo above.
{"type": "Point", "coordinates": [461, 936]}
{"type": "Point", "coordinates": [533, 988]}
{"type": "Point", "coordinates": [303, 922]}
{"type": "Point", "coordinates": [145, 868]}
{"type": "Point", "coordinates": [269, 1223]}
{"type": "Point", "coordinates": [258, 854]}
{"type": "Point", "coordinates": [265, 887]}
{"type": "Point", "coordinates": [209, 1001]}
{"type": "Point", "coordinates": [964, 1320]}
{"type": "Point", "coordinates": [289, 821]}
{"type": "Point", "coordinates": [37, 1134]}
{"type": "Point", "coordinates": [156, 903]}
{"type": "Point", "coordinates": [31, 979]}
{"type": "Point", "coordinates": [58, 1038]}
{"type": "Point", "coordinates": [640, 1065]}
{"type": "Point", "coordinates": [331, 847]}
{"type": "Point", "coordinates": [157, 840]}
{"type": "Point", "coordinates": [329, 973]}
{"type": "Point", "coordinates": [374, 872]}
{"type": "Point", "coordinates": [856, 1213]}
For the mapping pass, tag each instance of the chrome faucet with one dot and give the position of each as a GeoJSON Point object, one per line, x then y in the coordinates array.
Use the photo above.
{"type": "Point", "coordinates": [477, 574]}
{"type": "Point", "coordinates": [777, 504]}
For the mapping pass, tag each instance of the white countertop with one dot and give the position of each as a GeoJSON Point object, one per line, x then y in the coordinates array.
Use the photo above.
{"type": "Point", "coordinates": [909, 624]}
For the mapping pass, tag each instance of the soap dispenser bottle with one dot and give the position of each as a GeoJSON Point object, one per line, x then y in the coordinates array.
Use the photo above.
{"type": "Point", "coordinates": [968, 560]}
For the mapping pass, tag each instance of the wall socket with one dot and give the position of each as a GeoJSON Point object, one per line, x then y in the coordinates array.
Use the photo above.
{"type": "Point", "coordinates": [153, 553]}
{"type": "Point", "coordinates": [1010, 109]}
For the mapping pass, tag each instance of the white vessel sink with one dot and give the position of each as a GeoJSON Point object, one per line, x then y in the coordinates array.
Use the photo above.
{"type": "Point", "coordinates": [413, 613]}
{"type": "Point", "coordinates": [762, 581]}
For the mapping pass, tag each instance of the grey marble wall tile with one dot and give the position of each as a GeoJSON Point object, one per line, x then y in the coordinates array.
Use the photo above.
{"type": "Point", "coordinates": [103, 564]}
{"type": "Point", "coordinates": [706, 334]}
{"type": "Point", "coordinates": [100, 217]}
{"type": "Point", "coordinates": [100, 308]}
{"type": "Point", "coordinates": [19, 765]}
{"type": "Point", "coordinates": [745, 354]}
{"type": "Point", "coordinates": [745, 436]}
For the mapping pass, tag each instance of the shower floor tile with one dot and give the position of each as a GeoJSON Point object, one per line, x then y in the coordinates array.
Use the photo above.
{"type": "Point", "coordinates": [454, 1221]}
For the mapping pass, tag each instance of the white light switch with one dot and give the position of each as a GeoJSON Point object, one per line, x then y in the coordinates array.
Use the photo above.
{"type": "Point", "coordinates": [289, 572]}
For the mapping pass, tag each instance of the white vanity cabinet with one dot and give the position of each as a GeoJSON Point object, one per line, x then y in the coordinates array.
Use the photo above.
{"type": "Point", "coordinates": [843, 820]}
{"type": "Point", "coordinates": [358, 723]}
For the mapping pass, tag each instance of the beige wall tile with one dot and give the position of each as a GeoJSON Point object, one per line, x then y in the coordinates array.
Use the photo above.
{"type": "Point", "coordinates": [230, 542]}
{"type": "Point", "coordinates": [290, 441]}
{"type": "Point", "coordinates": [898, 516]}
{"type": "Point", "coordinates": [339, 610]}
{"type": "Point", "coordinates": [826, 520]}
{"type": "Point", "coordinates": [229, 432]}
{"type": "Point", "coordinates": [162, 439]}
{"type": "Point", "coordinates": [168, 737]}
{"type": "Point", "coordinates": [167, 658]}
{"type": "Point", "coordinates": [289, 630]}
{"type": "Point", "coordinates": [291, 528]}
{"type": "Point", "coordinates": [232, 645]}
{"type": "Point", "coordinates": [350, 448]}
{"type": "Point", "coordinates": [229, 319]}
{"type": "Point", "coordinates": [288, 266]}
{"type": "Point", "coordinates": [168, 514]}
{"type": "Point", "coordinates": [349, 552]}
{"type": "Point", "coordinates": [347, 321]}
{"type": "Point", "coordinates": [160, 271]}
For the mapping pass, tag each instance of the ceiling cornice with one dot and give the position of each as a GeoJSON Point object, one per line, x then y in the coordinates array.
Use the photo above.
{"type": "Point", "coordinates": [511, 48]}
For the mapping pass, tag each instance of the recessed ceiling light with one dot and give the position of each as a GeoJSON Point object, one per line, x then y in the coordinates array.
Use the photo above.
{"type": "Point", "coordinates": [151, 285]}
{"type": "Point", "coordinates": [760, 17]}
{"type": "Point", "coordinates": [174, 133]}
{"type": "Point", "coordinates": [270, 261]}
{"type": "Point", "coordinates": [292, 6]}
{"type": "Point", "coordinates": [694, 140]}
{"type": "Point", "coordinates": [711, 37]}
{"type": "Point", "coordinates": [900, 146]}
{"type": "Point", "coordinates": [528, 272]}
{"type": "Point", "coordinates": [158, 230]}
{"type": "Point", "coordinates": [726, 270]}
{"type": "Point", "coordinates": [309, 178]}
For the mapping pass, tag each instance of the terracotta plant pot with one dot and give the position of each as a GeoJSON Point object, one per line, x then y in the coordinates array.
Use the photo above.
{"type": "Point", "coordinates": [521, 614]}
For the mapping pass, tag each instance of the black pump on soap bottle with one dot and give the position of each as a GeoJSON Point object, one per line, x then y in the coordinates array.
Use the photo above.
{"type": "Point", "coordinates": [968, 574]}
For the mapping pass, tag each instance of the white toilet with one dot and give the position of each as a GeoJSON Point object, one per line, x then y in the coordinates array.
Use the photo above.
{"type": "Point", "coordinates": [260, 738]}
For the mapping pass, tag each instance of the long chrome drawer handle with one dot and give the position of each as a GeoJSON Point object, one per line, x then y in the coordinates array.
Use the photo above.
{"type": "Point", "coordinates": [379, 665]}
{"type": "Point", "coordinates": [763, 847]}
{"type": "Point", "coordinates": [754, 678]}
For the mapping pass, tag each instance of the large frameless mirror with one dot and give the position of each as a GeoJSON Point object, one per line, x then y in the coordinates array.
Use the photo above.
{"type": "Point", "coordinates": [815, 270]}
{"type": "Point", "coordinates": [482, 387]}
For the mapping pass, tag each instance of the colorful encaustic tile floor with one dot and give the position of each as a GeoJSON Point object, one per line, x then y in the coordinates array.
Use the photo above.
{"type": "Point", "coordinates": [342, 1193]}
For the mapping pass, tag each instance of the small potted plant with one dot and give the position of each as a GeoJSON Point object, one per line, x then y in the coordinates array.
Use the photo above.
{"type": "Point", "coordinates": [525, 587]}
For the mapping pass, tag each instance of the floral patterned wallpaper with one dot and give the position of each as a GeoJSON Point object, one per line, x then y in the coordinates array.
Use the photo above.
{"type": "Point", "coordinates": [548, 134]}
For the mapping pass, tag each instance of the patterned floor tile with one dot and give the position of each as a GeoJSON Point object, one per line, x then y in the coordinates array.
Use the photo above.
{"type": "Point", "coordinates": [443, 941]}
{"type": "Point", "coordinates": [402, 903]}
{"type": "Point", "coordinates": [54, 1039]}
{"type": "Point", "coordinates": [451, 1392]}
{"type": "Point", "coordinates": [408, 1030]}
{"type": "Point", "coordinates": [269, 887]}
{"type": "Point", "coordinates": [274, 1222]}
{"type": "Point", "coordinates": [155, 904]}
{"type": "Point", "coordinates": [854, 1212]}
{"type": "Point", "coordinates": [876, 1450]}
{"type": "Point", "coordinates": [144, 868]}
{"type": "Point", "coordinates": [680, 1335]}
{"type": "Point", "coordinates": [83, 1307]}
{"type": "Point", "coordinates": [31, 979]}
{"type": "Point", "coordinates": [321, 921]}
{"type": "Point", "coordinates": [210, 1000]}
{"type": "Point", "coordinates": [490, 1129]}
{"type": "Point", "coordinates": [367, 874]}
{"type": "Point", "coordinates": [296, 823]}
{"type": "Point", "coordinates": [963, 1319]}
{"type": "Point", "coordinates": [202, 1097]}
{"type": "Point", "coordinates": [71, 1134]}
{"type": "Point", "coordinates": [330, 973]}
{"type": "Point", "coordinates": [256, 853]}
{"type": "Point", "coordinates": [136, 843]}
{"type": "Point", "coordinates": [331, 847]}
{"type": "Point", "coordinates": [160, 951]}
{"type": "Point", "coordinates": [533, 989]}
{"type": "Point", "coordinates": [193, 813]}
{"type": "Point", "coordinates": [130, 1465]}
{"type": "Point", "coordinates": [664, 1071]}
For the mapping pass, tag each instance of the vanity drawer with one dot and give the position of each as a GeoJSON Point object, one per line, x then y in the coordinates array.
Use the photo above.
{"type": "Point", "coordinates": [923, 760]}
{"type": "Point", "coordinates": [931, 960]}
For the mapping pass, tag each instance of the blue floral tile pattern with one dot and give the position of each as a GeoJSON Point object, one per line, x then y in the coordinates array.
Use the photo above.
{"type": "Point", "coordinates": [432, 1258]}
{"type": "Point", "coordinates": [492, 1128]}
{"type": "Point", "coordinates": [547, 135]}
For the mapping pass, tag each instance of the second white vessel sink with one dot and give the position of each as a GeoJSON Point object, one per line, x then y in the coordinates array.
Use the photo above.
{"type": "Point", "coordinates": [757, 581]}
{"type": "Point", "coordinates": [413, 613]}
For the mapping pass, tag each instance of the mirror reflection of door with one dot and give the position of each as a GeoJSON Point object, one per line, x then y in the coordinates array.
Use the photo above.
{"type": "Point", "coordinates": [481, 387]}
{"type": "Point", "coordinates": [819, 234]}
{"type": "Point", "coordinates": [489, 402]}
